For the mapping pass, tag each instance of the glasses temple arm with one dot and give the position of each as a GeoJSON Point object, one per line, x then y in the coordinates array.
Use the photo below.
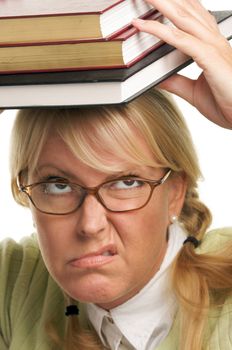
{"type": "Point", "coordinates": [165, 176]}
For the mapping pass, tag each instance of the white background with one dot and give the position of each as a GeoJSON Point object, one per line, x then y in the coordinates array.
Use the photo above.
{"type": "Point", "coordinates": [214, 147]}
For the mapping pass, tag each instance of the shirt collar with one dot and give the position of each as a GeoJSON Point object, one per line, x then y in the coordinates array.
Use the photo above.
{"type": "Point", "coordinates": [148, 316]}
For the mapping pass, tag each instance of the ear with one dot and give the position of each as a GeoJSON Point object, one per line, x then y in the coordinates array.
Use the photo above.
{"type": "Point", "coordinates": [177, 191]}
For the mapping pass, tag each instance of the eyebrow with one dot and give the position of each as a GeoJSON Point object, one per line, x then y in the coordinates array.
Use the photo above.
{"type": "Point", "coordinates": [53, 168]}
{"type": "Point", "coordinates": [71, 176]}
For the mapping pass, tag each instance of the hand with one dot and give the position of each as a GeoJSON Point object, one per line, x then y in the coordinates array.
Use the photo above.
{"type": "Point", "coordinates": [196, 34]}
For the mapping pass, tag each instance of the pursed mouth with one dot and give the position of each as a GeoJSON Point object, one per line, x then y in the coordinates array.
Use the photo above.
{"type": "Point", "coordinates": [108, 250]}
{"type": "Point", "coordinates": [96, 258]}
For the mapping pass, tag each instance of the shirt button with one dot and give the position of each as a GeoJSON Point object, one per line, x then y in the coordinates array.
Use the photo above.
{"type": "Point", "coordinates": [111, 320]}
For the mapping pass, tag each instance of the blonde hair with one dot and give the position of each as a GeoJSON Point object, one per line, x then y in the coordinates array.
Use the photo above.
{"type": "Point", "coordinates": [154, 116]}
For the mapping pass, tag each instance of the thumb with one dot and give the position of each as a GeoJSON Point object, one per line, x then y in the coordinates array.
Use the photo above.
{"type": "Point", "coordinates": [180, 86]}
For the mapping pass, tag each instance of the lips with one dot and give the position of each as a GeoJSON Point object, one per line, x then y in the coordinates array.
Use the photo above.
{"type": "Point", "coordinates": [95, 259]}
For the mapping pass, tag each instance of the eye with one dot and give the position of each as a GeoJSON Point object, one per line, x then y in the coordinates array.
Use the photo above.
{"type": "Point", "coordinates": [56, 188]}
{"type": "Point", "coordinates": [127, 184]}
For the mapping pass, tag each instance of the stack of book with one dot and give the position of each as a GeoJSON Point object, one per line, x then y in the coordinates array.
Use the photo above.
{"type": "Point", "coordinates": [71, 53]}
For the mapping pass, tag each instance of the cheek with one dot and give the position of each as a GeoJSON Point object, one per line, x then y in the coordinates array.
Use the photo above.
{"type": "Point", "coordinates": [144, 232]}
{"type": "Point", "coordinates": [154, 216]}
{"type": "Point", "coordinates": [52, 236]}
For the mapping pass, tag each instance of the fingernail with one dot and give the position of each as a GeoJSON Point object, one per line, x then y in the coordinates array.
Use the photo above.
{"type": "Point", "coordinates": [138, 21]}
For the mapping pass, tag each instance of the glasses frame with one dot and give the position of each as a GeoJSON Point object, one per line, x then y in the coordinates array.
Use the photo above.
{"type": "Point", "coordinates": [93, 191]}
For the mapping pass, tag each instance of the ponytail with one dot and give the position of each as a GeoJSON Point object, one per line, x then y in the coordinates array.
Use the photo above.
{"type": "Point", "coordinates": [196, 277]}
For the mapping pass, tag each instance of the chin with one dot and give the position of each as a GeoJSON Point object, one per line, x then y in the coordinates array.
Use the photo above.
{"type": "Point", "coordinates": [91, 289]}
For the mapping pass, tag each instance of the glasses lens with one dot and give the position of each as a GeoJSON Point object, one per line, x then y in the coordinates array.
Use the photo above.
{"type": "Point", "coordinates": [57, 197]}
{"type": "Point", "coordinates": [126, 194]}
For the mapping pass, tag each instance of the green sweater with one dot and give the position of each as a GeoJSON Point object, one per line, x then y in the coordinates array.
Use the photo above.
{"type": "Point", "coordinates": [29, 299]}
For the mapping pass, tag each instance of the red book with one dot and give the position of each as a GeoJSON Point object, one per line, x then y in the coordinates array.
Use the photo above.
{"type": "Point", "coordinates": [25, 21]}
{"type": "Point", "coordinates": [122, 51]}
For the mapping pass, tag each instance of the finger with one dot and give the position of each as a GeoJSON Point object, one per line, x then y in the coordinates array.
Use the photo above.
{"type": "Point", "coordinates": [186, 88]}
{"type": "Point", "coordinates": [194, 8]}
{"type": "Point", "coordinates": [180, 86]}
{"type": "Point", "coordinates": [197, 22]}
{"type": "Point", "coordinates": [201, 11]}
{"type": "Point", "coordinates": [204, 54]}
{"type": "Point", "coordinates": [171, 35]}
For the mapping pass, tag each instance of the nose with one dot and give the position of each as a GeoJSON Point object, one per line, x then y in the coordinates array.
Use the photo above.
{"type": "Point", "coordinates": [92, 217]}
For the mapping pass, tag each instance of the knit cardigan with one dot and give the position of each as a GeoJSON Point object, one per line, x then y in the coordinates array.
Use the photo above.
{"type": "Point", "coordinates": [30, 300]}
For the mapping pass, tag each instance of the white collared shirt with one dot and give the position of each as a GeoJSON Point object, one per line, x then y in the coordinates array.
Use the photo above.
{"type": "Point", "coordinates": [145, 320]}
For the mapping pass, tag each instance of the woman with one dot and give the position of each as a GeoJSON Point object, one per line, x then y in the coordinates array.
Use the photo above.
{"type": "Point", "coordinates": [121, 232]}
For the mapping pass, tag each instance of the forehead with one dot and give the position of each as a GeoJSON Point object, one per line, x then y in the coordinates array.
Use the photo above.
{"type": "Point", "coordinates": [107, 156]}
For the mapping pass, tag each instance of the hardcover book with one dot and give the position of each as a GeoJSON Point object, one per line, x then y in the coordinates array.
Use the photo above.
{"type": "Point", "coordinates": [122, 51]}
{"type": "Point", "coordinates": [98, 87]}
{"type": "Point", "coordinates": [27, 21]}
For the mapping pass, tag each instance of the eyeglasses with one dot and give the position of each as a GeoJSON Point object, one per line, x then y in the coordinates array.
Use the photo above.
{"type": "Point", "coordinates": [60, 197]}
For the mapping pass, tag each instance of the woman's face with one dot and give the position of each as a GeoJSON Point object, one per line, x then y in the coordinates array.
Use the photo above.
{"type": "Point", "coordinates": [96, 255]}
